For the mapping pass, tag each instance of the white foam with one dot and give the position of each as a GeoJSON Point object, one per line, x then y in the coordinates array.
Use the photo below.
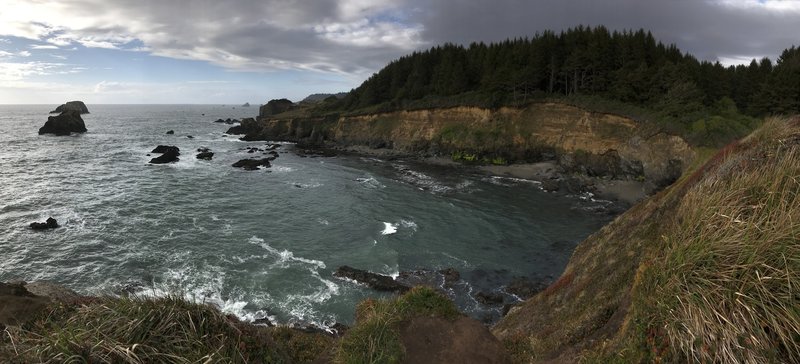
{"type": "Point", "coordinates": [389, 228]}
{"type": "Point", "coordinates": [409, 224]}
{"type": "Point", "coordinates": [285, 257]}
{"type": "Point", "coordinates": [323, 222]}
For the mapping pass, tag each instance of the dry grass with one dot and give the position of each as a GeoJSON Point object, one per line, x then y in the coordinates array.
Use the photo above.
{"type": "Point", "coordinates": [133, 330]}
{"type": "Point", "coordinates": [727, 289]}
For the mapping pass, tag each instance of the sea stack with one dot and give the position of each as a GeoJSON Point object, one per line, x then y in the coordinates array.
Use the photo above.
{"type": "Point", "coordinates": [65, 123]}
{"type": "Point", "coordinates": [78, 106]}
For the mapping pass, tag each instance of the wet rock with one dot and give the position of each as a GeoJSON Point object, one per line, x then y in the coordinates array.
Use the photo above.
{"type": "Point", "coordinates": [252, 164]}
{"type": "Point", "coordinates": [378, 282]}
{"type": "Point", "coordinates": [203, 150]}
{"type": "Point", "coordinates": [190, 137]}
{"type": "Point", "coordinates": [78, 106]}
{"type": "Point", "coordinates": [51, 223]}
{"type": "Point", "coordinates": [525, 288]}
{"type": "Point", "coordinates": [489, 298]}
{"type": "Point", "coordinates": [205, 155]}
{"type": "Point", "coordinates": [165, 149]}
{"type": "Point", "coordinates": [451, 276]}
{"type": "Point", "coordinates": [263, 321]}
{"type": "Point", "coordinates": [170, 132]}
{"type": "Point", "coordinates": [169, 154]}
{"type": "Point", "coordinates": [550, 185]}
{"type": "Point", "coordinates": [65, 123]}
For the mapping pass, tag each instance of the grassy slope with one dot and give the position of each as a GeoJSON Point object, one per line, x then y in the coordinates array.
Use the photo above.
{"type": "Point", "coordinates": [704, 271]}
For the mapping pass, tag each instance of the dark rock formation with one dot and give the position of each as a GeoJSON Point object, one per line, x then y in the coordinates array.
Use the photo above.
{"type": "Point", "coordinates": [205, 155]}
{"type": "Point", "coordinates": [274, 107]}
{"type": "Point", "coordinates": [78, 106]}
{"type": "Point", "coordinates": [246, 104]}
{"type": "Point", "coordinates": [51, 223]}
{"type": "Point", "coordinates": [169, 154]}
{"type": "Point", "coordinates": [252, 164]}
{"type": "Point", "coordinates": [65, 123]}
{"type": "Point", "coordinates": [378, 282]}
{"type": "Point", "coordinates": [489, 298]}
{"type": "Point", "coordinates": [190, 137]}
{"type": "Point", "coordinates": [170, 132]}
{"type": "Point", "coordinates": [166, 149]}
{"type": "Point", "coordinates": [228, 121]}
{"type": "Point", "coordinates": [451, 276]}
{"type": "Point", "coordinates": [244, 127]}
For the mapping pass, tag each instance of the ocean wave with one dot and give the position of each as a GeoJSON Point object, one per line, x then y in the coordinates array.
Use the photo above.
{"type": "Point", "coordinates": [389, 228]}
{"type": "Point", "coordinates": [370, 182]}
{"type": "Point", "coordinates": [284, 256]}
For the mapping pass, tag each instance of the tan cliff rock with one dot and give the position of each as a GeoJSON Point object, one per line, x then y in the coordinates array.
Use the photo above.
{"type": "Point", "coordinates": [582, 141]}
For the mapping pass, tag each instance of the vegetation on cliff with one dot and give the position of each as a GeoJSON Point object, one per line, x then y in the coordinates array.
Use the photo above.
{"type": "Point", "coordinates": [628, 73]}
{"type": "Point", "coordinates": [705, 271]}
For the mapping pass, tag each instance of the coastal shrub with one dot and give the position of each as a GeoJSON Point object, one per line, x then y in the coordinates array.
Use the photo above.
{"type": "Point", "coordinates": [375, 338]}
{"type": "Point", "coordinates": [140, 330]}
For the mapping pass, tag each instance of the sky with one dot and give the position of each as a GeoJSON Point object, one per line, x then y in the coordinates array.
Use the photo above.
{"type": "Point", "coordinates": [231, 52]}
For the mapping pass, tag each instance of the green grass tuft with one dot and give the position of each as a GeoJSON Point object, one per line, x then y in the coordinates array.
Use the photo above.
{"type": "Point", "coordinates": [376, 338]}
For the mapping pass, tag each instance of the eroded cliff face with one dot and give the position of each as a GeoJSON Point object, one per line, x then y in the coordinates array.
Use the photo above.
{"type": "Point", "coordinates": [582, 141]}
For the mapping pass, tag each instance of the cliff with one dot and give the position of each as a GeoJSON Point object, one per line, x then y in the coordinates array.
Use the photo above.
{"type": "Point", "coordinates": [583, 141]}
{"type": "Point", "coordinates": [704, 271]}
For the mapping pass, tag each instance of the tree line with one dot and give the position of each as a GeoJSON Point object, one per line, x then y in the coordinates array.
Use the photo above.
{"type": "Point", "coordinates": [629, 67]}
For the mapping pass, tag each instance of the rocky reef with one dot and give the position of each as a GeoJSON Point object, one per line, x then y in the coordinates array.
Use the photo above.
{"type": "Point", "coordinates": [69, 121]}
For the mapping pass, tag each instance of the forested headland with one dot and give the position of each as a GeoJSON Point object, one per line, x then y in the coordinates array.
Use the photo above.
{"type": "Point", "coordinates": [627, 72]}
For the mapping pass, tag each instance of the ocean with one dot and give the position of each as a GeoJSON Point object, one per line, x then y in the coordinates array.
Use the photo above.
{"type": "Point", "coordinates": [261, 243]}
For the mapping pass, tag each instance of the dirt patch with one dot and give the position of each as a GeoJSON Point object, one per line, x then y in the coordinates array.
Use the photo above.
{"type": "Point", "coordinates": [438, 340]}
{"type": "Point", "coordinates": [17, 305]}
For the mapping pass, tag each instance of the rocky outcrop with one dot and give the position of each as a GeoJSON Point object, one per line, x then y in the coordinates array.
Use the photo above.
{"type": "Point", "coordinates": [205, 155]}
{"type": "Point", "coordinates": [67, 122]}
{"type": "Point", "coordinates": [78, 106]}
{"type": "Point", "coordinates": [51, 223]}
{"type": "Point", "coordinates": [378, 282]}
{"type": "Point", "coordinates": [246, 104]}
{"type": "Point", "coordinates": [245, 126]}
{"type": "Point", "coordinates": [274, 107]}
{"type": "Point", "coordinates": [596, 144]}
{"type": "Point", "coordinates": [253, 164]}
{"type": "Point", "coordinates": [170, 132]}
{"type": "Point", "coordinates": [169, 154]}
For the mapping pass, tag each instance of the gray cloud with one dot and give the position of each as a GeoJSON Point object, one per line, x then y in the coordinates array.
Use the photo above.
{"type": "Point", "coordinates": [707, 29]}
{"type": "Point", "coordinates": [357, 37]}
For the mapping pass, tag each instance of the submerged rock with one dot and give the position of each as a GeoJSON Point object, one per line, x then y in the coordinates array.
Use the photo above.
{"type": "Point", "coordinates": [489, 298]}
{"type": "Point", "coordinates": [78, 106]}
{"type": "Point", "coordinates": [525, 288]}
{"type": "Point", "coordinates": [252, 164]}
{"type": "Point", "coordinates": [170, 132]}
{"type": "Point", "coordinates": [378, 282]}
{"type": "Point", "coordinates": [169, 154]}
{"type": "Point", "coordinates": [51, 223]}
{"type": "Point", "coordinates": [65, 123]}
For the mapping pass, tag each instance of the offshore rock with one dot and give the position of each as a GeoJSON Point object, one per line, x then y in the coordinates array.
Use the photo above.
{"type": "Point", "coordinates": [252, 164]}
{"type": "Point", "coordinates": [169, 154]}
{"type": "Point", "coordinates": [78, 106]}
{"type": "Point", "coordinates": [51, 223]}
{"type": "Point", "coordinates": [378, 282]}
{"type": "Point", "coordinates": [65, 123]}
{"type": "Point", "coordinates": [205, 155]}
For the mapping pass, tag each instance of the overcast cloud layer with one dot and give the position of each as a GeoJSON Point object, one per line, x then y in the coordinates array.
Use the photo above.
{"type": "Point", "coordinates": [353, 38]}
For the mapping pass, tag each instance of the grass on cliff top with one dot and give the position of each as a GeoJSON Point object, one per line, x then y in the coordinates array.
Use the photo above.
{"type": "Point", "coordinates": [724, 286]}
{"type": "Point", "coordinates": [376, 337]}
{"type": "Point", "coordinates": [152, 330]}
